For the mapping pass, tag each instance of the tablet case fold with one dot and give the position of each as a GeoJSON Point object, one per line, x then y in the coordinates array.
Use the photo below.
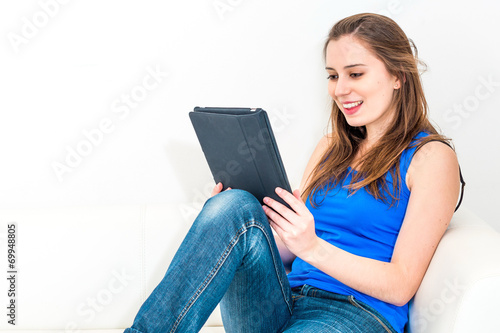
{"type": "Point", "coordinates": [240, 149]}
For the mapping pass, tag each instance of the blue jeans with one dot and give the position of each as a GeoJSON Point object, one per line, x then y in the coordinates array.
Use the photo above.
{"type": "Point", "coordinates": [229, 256]}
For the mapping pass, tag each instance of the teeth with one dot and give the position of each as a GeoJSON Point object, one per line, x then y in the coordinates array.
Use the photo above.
{"type": "Point", "coordinates": [351, 105]}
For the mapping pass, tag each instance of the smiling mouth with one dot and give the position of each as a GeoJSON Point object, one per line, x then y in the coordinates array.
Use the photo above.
{"type": "Point", "coordinates": [352, 105]}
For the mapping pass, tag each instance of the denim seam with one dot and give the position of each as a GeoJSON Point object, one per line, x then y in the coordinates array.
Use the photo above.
{"type": "Point", "coordinates": [209, 278]}
{"type": "Point", "coordinates": [290, 307]}
{"type": "Point", "coordinates": [355, 303]}
{"type": "Point", "coordinates": [217, 267]}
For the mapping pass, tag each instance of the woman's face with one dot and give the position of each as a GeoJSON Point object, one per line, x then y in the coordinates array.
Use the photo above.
{"type": "Point", "coordinates": [360, 85]}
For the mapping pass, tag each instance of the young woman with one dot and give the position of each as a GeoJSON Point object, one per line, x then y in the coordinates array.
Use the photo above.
{"type": "Point", "coordinates": [377, 195]}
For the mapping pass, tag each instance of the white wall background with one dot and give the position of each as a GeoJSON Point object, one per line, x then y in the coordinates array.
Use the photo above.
{"type": "Point", "coordinates": [73, 67]}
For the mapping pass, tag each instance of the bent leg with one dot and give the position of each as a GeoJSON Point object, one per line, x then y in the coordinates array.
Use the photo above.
{"type": "Point", "coordinates": [259, 297]}
{"type": "Point", "coordinates": [230, 248]}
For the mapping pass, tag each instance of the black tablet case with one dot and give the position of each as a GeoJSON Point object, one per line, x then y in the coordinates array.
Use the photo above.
{"type": "Point", "coordinates": [240, 149]}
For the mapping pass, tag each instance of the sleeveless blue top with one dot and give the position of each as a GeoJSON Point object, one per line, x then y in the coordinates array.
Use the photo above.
{"type": "Point", "coordinates": [361, 225]}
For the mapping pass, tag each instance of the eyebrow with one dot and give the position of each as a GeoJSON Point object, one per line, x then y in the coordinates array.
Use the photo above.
{"type": "Point", "coordinates": [346, 67]}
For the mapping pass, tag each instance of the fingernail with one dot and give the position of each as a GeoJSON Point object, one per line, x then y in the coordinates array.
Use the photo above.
{"type": "Point", "coordinates": [278, 190]}
{"type": "Point", "coordinates": [266, 200]}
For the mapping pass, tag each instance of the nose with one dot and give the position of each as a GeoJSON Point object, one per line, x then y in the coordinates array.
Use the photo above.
{"type": "Point", "coordinates": [342, 87]}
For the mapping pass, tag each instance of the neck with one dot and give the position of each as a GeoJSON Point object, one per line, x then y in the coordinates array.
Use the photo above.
{"type": "Point", "coordinates": [377, 129]}
{"type": "Point", "coordinates": [371, 139]}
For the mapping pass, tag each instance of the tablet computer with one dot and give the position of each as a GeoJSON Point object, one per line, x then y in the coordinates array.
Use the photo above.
{"type": "Point", "coordinates": [240, 149]}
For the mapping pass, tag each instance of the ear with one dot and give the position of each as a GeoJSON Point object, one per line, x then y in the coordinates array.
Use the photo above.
{"type": "Point", "coordinates": [397, 82]}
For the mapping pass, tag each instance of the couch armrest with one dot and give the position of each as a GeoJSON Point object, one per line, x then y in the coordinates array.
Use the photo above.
{"type": "Point", "coordinates": [461, 287]}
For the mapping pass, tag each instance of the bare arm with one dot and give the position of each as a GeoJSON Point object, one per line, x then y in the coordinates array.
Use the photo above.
{"type": "Point", "coordinates": [286, 255]}
{"type": "Point", "coordinates": [433, 179]}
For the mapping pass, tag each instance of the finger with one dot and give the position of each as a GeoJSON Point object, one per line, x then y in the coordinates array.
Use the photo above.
{"type": "Point", "coordinates": [280, 214]}
{"type": "Point", "coordinates": [217, 189]}
{"type": "Point", "coordinates": [276, 208]}
{"type": "Point", "coordinates": [286, 212]}
{"type": "Point", "coordinates": [277, 228]}
{"type": "Point", "coordinates": [296, 193]}
{"type": "Point", "coordinates": [270, 216]}
{"type": "Point", "coordinates": [295, 203]}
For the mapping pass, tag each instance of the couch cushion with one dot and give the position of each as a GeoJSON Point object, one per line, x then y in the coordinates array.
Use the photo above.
{"type": "Point", "coordinates": [461, 287]}
{"type": "Point", "coordinates": [89, 267]}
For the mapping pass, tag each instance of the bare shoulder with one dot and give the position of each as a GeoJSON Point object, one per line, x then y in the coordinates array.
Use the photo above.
{"type": "Point", "coordinates": [322, 146]}
{"type": "Point", "coordinates": [324, 142]}
{"type": "Point", "coordinates": [315, 158]}
{"type": "Point", "coordinates": [434, 161]}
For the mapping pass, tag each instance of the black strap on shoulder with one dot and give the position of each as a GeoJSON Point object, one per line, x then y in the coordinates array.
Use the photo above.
{"type": "Point", "coordinates": [462, 181]}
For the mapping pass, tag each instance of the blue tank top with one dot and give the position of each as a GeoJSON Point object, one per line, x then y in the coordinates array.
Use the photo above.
{"type": "Point", "coordinates": [362, 225]}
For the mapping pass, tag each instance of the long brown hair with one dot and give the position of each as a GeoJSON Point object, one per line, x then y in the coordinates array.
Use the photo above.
{"type": "Point", "coordinates": [382, 36]}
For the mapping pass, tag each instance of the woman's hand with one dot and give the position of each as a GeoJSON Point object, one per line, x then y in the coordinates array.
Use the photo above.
{"type": "Point", "coordinates": [294, 226]}
{"type": "Point", "coordinates": [217, 189]}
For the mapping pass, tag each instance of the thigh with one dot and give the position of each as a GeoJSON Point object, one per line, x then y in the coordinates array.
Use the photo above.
{"type": "Point", "coordinates": [339, 315]}
{"type": "Point", "coordinates": [259, 296]}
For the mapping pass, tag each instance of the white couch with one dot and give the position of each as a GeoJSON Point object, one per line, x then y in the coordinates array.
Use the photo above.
{"type": "Point", "coordinates": [90, 268]}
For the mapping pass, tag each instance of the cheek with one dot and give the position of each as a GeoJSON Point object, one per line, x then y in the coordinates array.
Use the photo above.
{"type": "Point", "coordinates": [331, 88]}
{"type": "Point", "coordinates": [383, 92]}
{"type": "Point", "coordinates": [387, 88]}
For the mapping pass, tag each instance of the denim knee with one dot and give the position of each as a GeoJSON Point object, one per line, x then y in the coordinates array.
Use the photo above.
{"type": "Point", "coordinates": [231, 202]}
{"type": "Point", "coordinates": [232, 205]}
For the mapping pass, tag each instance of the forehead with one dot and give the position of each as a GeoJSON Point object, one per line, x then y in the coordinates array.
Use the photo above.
{"type": "Point", "coordinates": [346, 51]}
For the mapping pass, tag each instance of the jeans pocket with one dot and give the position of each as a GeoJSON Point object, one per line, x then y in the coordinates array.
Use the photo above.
{"type": "Point", "coordinates": [370, 312]}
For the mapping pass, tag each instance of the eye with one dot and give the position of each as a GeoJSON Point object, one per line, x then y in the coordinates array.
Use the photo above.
{"type": "Point", "coordinates": [356, 75]}
{"type": "Point", "coordinates": [332, 77]}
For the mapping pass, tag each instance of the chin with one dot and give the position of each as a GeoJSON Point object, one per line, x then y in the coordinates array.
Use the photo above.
{"type": "Point", "coordinates": [355, 122]}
